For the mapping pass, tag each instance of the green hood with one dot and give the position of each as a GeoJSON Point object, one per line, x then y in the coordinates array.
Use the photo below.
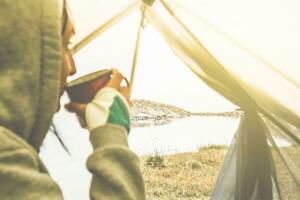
{"type": "Point", "coordinates": [29, 66]}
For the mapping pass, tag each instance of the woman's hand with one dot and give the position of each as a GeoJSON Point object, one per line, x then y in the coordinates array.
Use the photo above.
{"type": "Point", "coordinates": [114, 82]}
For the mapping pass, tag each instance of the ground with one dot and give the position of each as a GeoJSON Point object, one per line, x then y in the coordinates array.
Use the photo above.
{"type": "Point", "coordinates": [192, 176]}
{"type": "Point", "coordinates": [186, 176]}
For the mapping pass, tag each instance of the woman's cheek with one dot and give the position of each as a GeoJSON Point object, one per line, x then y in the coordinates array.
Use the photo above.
{"type": "Point", "coordinates": [64, 67]}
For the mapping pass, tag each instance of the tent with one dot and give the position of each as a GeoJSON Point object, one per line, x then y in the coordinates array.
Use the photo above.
{"type": "Point", "coordinates": [257, 166]}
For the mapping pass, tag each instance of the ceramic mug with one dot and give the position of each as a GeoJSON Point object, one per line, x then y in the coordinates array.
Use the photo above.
{"type": "Point", "coordinates": [84, 89]}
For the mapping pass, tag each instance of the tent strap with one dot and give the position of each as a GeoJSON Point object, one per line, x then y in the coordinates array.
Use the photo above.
{"type": "Point", "coordinates": [137, 46]}
{"type": "Point", "coordinates": [149, 2]}
{"type": "Point", "coordinates": [279, 125]}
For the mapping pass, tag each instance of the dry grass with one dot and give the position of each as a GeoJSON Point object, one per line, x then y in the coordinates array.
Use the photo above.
{"type": "Point", "coordinates": [185, 176]}
{"type": "Point", "coordinates": [192, 176]}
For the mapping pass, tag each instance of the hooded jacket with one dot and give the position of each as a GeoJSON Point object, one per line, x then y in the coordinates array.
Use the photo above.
{"type": "Point", "coordinates": [30, 61]}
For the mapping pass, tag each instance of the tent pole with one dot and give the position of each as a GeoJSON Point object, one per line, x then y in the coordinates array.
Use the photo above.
{"type": "Point", "coordinates": [105, 26]}
{"type": "Point", "coordinates": [136, 49]}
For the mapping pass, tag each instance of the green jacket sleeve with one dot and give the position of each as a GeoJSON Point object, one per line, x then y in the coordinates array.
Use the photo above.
{"type": "Point", "coordinates": [116, 169]}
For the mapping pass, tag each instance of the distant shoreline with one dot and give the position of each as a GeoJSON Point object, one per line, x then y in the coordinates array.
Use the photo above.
{"type": "Point", "coordinates": [145, 113]}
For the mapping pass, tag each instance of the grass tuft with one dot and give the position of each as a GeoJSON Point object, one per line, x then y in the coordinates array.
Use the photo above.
{"type": "Point", "coordinates": [155, 161]}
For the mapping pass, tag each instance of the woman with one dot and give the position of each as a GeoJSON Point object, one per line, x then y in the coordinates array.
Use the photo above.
{"type": "Point", "coordinates": [34, 64]}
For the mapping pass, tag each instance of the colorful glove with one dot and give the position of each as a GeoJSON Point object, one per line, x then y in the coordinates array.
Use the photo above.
{"type": "Point", "coordinates": [108, 107]}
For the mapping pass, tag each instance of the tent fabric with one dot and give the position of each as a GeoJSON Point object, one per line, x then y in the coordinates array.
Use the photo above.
{"type": "Point", "coordinates": [263, 159]}
{"type": "Point", "coordinates": [254, 168]}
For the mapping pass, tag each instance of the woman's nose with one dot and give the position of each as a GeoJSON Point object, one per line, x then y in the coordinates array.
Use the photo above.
{"type": "Point", "coordinates": [72, 67]}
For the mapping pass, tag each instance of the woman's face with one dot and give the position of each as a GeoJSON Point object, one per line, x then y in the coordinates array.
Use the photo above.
{"type": "Point", "coordinates": [68, 66]}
